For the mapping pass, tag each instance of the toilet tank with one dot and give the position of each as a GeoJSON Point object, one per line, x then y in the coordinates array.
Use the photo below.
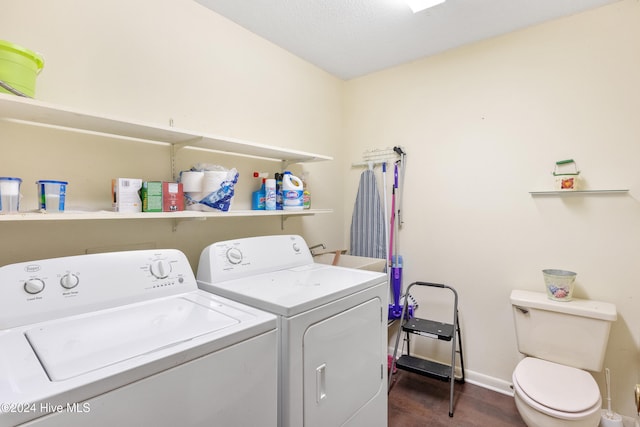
{"type": "Point", "coordinates": [573, 333]}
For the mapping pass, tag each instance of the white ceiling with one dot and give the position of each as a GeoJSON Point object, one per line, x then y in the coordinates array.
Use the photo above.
{"type": "Point", "coordinates": [351, 38]}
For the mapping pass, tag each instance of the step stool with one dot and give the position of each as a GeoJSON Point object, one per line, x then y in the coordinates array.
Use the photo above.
{"type": "Point", "coordinates": [434, 330]}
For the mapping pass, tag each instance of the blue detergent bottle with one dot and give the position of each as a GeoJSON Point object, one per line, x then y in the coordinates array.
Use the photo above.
{"type": "Point", "coordinates": [258, 196]}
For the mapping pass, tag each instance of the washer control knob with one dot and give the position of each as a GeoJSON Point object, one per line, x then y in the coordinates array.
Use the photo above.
{"type": "Point", "coordinates": [69, 281]}
{"type": "Point", "coordinates": [296, 247]}
{"type": "Point", "coordinates": [160, 269]}
{"type": "Point", "coordinates": [234, 256]}
{"type": "Point", "coordinates": [33, 286]}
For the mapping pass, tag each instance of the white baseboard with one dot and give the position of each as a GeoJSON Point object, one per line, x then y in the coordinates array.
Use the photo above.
{"type": "Point", "coordinates": [492, 383]}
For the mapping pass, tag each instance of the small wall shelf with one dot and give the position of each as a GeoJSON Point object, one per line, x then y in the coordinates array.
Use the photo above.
{"type": "Point", "coordinates": [576, 192]}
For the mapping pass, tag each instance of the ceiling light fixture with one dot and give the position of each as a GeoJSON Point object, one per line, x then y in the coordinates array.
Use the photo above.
{"type": "Point", "coordinates": [418, 5]}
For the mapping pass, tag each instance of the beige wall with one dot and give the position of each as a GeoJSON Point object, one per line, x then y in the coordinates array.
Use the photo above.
{"type": "Point", "coordinates": [153, 61]}
{"type": "Point", "coordinates": [483, 126]}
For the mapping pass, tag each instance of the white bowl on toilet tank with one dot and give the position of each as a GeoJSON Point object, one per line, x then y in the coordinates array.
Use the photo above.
{"type": "Point", "coordinates": [573, 333]}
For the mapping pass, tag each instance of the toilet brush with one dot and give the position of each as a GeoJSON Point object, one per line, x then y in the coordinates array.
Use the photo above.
{"type": "Point", "coordinates": [608, 418]}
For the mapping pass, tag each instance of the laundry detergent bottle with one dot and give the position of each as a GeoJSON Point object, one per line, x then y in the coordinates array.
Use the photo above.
{"type": "Point", "coordinates": [292, 192]}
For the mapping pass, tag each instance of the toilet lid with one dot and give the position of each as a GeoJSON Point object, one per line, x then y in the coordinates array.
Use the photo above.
{"type": "Point", "coordinates": [556, 386]}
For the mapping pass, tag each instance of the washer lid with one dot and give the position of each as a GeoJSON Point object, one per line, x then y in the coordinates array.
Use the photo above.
{"type": "Point", "coordinates": [556, 386]}
{"type": "Point", "coordinates": [73, 347]}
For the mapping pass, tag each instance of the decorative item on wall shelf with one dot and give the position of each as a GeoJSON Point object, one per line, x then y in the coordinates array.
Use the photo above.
{"type": "Point", "coordinates": [567, 175]}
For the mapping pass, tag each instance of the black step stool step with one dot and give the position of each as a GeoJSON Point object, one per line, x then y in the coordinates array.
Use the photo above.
{"type": "Point", "coordinates": [424, 367]}
{"type": "Point", "coordinates": [429, 328]}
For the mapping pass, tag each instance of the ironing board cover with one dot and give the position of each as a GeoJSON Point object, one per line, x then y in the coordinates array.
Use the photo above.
{"type": "Point", "coordinates": [367, 223]}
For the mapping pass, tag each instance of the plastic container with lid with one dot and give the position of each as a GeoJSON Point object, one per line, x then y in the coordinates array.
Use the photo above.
{"type": "Point", "coordinates": [292, 192]}
{"type": "Point", "coordinates": [9, 194]}
{"type": "Point", "coordinates": [51, 195]}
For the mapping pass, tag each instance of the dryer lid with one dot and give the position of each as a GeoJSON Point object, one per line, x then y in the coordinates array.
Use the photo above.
{"type": "Point", "coordinates": [556, 386]}
{"type": "Point", "coordinates": [296, 290]}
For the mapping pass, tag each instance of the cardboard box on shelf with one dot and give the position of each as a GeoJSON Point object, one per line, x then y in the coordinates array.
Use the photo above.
{"type": "Point", "coordinates": [172, 197]}
{"type": "Point", "coordinates": [125, 194]}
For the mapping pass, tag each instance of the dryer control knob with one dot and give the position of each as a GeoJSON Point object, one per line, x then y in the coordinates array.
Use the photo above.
{"type": "Point", "coordinates": [160, 269]}
{"type": "Point", "coordinates": [69, 281]}
{"type": "Point", "coordinates": [33, 286]}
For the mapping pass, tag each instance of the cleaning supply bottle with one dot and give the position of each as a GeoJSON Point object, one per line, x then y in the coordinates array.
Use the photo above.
{"type": "Point", "coordinates": [306, 195]}
{"type": "Point", "coordinates": [270, 194]}
{"type": "Point", "coordinates": [258, 196]}
{"type": "Point", "coordinates": [292, 190]}
{"type": "Point", "coordinates": [278, 178]}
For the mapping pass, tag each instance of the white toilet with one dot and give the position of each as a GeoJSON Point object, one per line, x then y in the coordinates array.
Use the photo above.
{"type": "Point", "coordinates": [561, 340]}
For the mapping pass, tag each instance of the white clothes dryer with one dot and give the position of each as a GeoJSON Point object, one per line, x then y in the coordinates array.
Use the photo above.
{"type": "Point", "coordinates": [128, 339]}
{"type": "Point", "coordinates": [332, 326]}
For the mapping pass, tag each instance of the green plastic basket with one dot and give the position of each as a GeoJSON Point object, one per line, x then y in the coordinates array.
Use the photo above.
{"type": "Point", "coordinates": [19, 68]}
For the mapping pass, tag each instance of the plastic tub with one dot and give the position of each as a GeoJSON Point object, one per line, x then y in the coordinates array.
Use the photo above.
{"type": "Point", "coordinates": [51, 195]}
{"type": "Point", "coordinates": [9, 194]}
{"type": "Point", "coordinates": [559, 284]}
{"type": "Point", "coordinates": [19, 68]}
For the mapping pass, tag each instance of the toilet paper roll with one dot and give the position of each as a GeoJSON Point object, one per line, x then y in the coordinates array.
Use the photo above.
{"type": "Point", "coordinates": [192, 181]}
{"type": "Point", "coordinates": [213, 180]}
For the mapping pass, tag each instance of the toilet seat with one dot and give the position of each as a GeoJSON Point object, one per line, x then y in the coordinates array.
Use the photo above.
{"type": "Point", "coordinates": [556, 390]}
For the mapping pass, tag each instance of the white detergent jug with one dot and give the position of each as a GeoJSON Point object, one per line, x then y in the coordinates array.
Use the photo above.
{"type": "Point", "coordinates": [292, 189]}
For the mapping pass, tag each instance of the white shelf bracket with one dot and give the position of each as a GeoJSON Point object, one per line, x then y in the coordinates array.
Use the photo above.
{"type": "Point", "coordinates": [174, 151]}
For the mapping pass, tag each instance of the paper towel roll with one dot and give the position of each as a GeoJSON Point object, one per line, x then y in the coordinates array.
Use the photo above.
{"type": "Point", "coordinates": [192, 181]}
{"type": "Point", "coordinates": [213, 180]}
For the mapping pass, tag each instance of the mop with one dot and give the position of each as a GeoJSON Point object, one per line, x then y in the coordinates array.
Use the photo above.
{"type": "Point", "coordinates": [608, 418]}
{"type": "Point", "coordinates": [403, 159]}
{"type": "Point", "coordinates": [395, 277]}
{"type": "Point", "coordinates": [386, 217]}
{"type": "Point", "coordinates": [395, 260]}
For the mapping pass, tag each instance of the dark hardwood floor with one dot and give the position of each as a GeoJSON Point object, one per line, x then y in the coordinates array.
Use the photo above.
{"type": "Point", "coordinates": [415, 401]}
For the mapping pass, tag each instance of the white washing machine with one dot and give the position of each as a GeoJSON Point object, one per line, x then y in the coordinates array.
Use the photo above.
{"type": "Point", "coordinates": [128, 339]}
{"type": "Point", "coordinates": [332, 324]}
